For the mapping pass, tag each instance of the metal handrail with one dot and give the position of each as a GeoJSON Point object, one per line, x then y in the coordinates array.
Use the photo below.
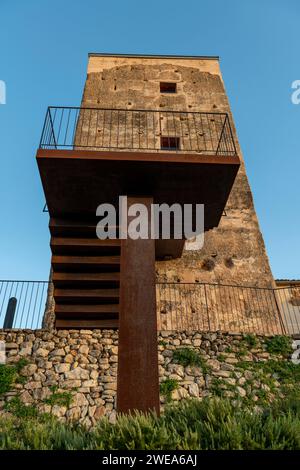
{"type": "Point", "coordinates": [22, 303]}
{"type": "Point", "coordinates": [237, 308]}
{"type": "Point", "coordinates": [67, 127]}
{"type": "Point", "coordinates": [198, 306]}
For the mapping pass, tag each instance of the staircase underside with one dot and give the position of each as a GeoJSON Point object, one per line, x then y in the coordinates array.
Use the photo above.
{"type": "Point", "coordinates": [85, 275]}
{"type": "Point", "coordinates": [75, 182]}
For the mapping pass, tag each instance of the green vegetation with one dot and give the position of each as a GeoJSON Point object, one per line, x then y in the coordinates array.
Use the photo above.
{"type": "Point", "coordinates": [19, 409]}
{"type": "Point", "coordinates": [190, 357]}
{"type": "Point", "coordinates": [9, 374]}
{"type": "Point", "coordinates": [59, 398]}
{"type": "Point", "coordinates": [270, 380]}
{"type": "Point", "coordinates": [259, 383]}
{"type": "Point", "coordinates": [7, 378]}
{"type": "Point", "coordinates": [250, 340]}
{"type": "Point", "coordinates": [241, 352]}
{"type": "Point", "coordinates": [208, 424]}
{"type": "Point", "coordinates": [167, 387]}
{"type": "Point", "coordinates": [217, 387]}
{"type": "Point", "coordinates": [280, 345]}
{"type": "Point", "coordinates": [284, 371]}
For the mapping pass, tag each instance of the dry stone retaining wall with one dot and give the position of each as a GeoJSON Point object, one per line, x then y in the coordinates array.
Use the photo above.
{"type": "Point", "coordinates": [85, 363]}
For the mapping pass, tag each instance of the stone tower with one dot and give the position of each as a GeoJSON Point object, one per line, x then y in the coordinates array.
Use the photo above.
{"type": "Point", "coordinates": [157, 129]}
{"type": "Point", "coordinates": [234, 252]}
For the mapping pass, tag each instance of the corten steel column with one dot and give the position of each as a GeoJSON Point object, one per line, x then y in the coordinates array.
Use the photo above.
{"type": "Point", "coordinates": [138, 386]}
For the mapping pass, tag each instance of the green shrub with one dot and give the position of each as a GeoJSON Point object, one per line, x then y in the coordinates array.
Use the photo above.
{"type": "Point", "coordinates": [7, 377]}
{"type": "Point", "coordinates": [216, 387]}
{"type": "Point", "coordinates": [279, 345]}
{"type": "Point", "coordinates": [241, 353]}
{"type": "Point", "coordinates": [190, 357]}
{"type": "Point", "coordinates": [19, 409]}
{"type": "Point", "coordinates": [290, 403]}
{"type": "Point", "coordinates": [43, 432]}
{"type": "Point", "coordinates": [167, 387]}
{"type": "Point", "coordinates": [210, 424]}
{"type": "Point", "coordinates": [284, 371]}
{"type": "Point", "coordinates": [21, 364]}
{"type": "Point", "coordinates": [250, 340]}
{"type": "Point", "coordinates": [59, 398]}
{"type": "Point", "coordinates": [139, 431]}
{"type": "Point", "coordinates": [9, 374]}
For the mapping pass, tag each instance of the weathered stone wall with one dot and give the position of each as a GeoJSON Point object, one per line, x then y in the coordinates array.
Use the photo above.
{"type": "Point", "coordinates": [85, 364]}
{"type": "Point", "coordinates": [222, 371]}
{"type": "Point", "coordinates": [233, 253]}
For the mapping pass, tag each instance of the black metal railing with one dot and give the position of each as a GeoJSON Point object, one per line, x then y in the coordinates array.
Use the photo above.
{"type": "Point", "coordinates": [180, 306]}
{"type": "Point", "coordinates": [214, 307]}
{"type": "Point", "coordinates": [22, 303]}
{"type": "Point", "coordinates": [144, 130]}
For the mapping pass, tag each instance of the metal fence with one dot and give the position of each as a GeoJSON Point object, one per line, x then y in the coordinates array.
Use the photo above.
{"type": "Point", "coordinates": [22, 303]}
{"type": "Point", "coordinates": [180, 306]}
{"type": "Point", "coordinates": [145, 130]}
{"type": "Point", "coordinates": [216, 307]}
{"type": "Point", "coordinates": [288, 301]}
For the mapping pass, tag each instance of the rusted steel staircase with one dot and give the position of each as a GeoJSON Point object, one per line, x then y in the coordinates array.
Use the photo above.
{"type": "Point", "coordinates": [86, 275]}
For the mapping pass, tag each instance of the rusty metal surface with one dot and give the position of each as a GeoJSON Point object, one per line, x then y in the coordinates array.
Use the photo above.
{"type": "Point", "coordinates": [138, 386]}
{"type": "Point", "coordinates": [75, 185]}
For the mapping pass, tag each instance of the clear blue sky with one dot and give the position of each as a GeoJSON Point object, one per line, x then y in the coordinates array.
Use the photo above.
{"type": "Point", "coordinates": [44, 46]}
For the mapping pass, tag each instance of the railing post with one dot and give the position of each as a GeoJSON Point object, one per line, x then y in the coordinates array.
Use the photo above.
{"type": "Point", "coordinates": [231, 134]}
{"type": "Point", "coordinates": [221, 135]}
{"type": "Point", "coordinates": [10, 313]}
{"type": "Point", "coordinates": [44, 127]}
{"type": "Point", "coordinates": [208, 319]}
{"type": "Point", "coordinates": [52, 129]}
